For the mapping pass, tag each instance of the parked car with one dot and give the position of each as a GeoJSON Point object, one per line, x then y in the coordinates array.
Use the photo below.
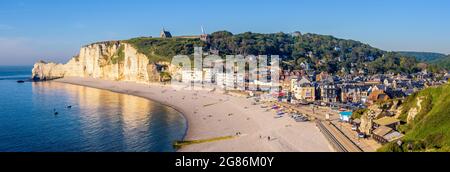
{"type": "Point", "coordinates": [304, 119]}
{"type": "Point", "coordinates": [354, 127]}
{"type": "Point", "coordinates": [296, 116]}
{"type": "Point", "coordinates": [361, 135]}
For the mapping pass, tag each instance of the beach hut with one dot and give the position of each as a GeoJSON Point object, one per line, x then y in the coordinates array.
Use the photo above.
{"type": "Point", "coordinates": [345, 116]}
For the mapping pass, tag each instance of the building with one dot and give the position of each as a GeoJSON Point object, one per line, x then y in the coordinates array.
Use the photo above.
{"type": "Point", "coordinates": [165, 34]}
{"type": "Point", "coordinates": [303, 90]}
{"type": "Point", "coordinates": [345, 116]}
{"type": "Point", "coordinates": [385, 134]}
{"type": "Point", "coordinates": [230, 80]}
{"type": "Point", "coordinates": [194, 76]}
{"type": "Point", "coordinates": [208, 75]}
{"type": "Point", "coordinates": [354, 93]}
{"type": "Point", "coordinates": [329, 92]}
{"type": "Point", "coordinates": [296, 34]}
{"type": "Point", "coordinates": [322, 76]}
{"type": "Point", "coordinates": [377, 95]}
{"type": "Point", "coordinates": [204, 37]}
{"type": "Point", "coordinates": [390, 122]}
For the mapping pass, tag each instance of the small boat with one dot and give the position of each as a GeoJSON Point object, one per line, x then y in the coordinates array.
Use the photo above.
{"type": "Point", "coordinates": [69, 107]}
{"type": "Point", "coordinates": [20, 81]}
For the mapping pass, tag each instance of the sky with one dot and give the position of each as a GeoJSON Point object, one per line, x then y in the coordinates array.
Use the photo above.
{"type": "Point", "coordinates": [54, 30]}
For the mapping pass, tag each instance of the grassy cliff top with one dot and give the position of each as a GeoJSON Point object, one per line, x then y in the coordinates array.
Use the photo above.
{"type": "Point", "coordinates": [163, 49]}
{"type": "Point", "coordinates": [429, 131]}
{"type": "Point", "coordinates": [321, 52]}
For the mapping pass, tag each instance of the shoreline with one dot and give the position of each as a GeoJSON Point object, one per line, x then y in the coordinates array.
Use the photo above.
{"type": "Point", "coordinates": [212, 114]}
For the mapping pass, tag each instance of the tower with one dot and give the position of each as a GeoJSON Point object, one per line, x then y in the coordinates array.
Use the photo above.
{"type": "Point", "coordinates": [165, 34]}
{"type": "Point", "coordinates": [204, 37]}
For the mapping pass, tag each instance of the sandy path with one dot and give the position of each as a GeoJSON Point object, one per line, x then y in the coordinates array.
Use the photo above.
{"type": "Point", "coordinates": [214, 114]}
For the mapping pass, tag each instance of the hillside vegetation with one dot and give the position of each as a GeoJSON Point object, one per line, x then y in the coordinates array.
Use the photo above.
{"type": "Point", "coordinates": [429, 131]}
{"type": "Point", "coordinates": [442, 62]}
{"type": "Point", "coordinates": [321, 52]}
{"type": "Point", "coordinates": [435, 60]}
{"type": "Point", "coordinates": [163, 49]}
{"type": "Point", "coordinates": [423, 56]}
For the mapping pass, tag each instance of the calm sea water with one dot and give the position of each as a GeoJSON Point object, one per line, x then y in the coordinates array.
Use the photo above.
{"type": "Point", "coordinates": [99, 121]}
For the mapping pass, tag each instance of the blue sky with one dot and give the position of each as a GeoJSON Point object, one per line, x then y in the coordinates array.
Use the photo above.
{"type": "Point", "coordinates": [55, 30]}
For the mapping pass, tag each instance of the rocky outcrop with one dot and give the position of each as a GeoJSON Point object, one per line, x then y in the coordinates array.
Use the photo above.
{"type": "Point", "coordinates": [113, 60]}
{"type": "Point", "coordinates": [366, 124]}
{"type": "Point", "coordinates": [48, 71]}
{"type": "Point", "coordinates": [412, 113]}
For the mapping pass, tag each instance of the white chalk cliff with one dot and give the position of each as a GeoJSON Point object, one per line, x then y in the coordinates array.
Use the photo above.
{"type": "Point", "coordinates": [112, 60]}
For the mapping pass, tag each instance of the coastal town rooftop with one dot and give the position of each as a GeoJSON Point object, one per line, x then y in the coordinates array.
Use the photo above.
{"type": "Point", "coordinates": [386, 121]}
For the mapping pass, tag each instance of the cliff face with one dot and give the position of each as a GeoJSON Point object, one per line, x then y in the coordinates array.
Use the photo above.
{"type": "Point", "coordinates": [109, 61]}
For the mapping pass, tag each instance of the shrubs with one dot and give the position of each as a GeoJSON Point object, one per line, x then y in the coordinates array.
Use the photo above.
{"type": "Point", "coordinates": [165, 76]}
{"type": "Point", "coordinates": [429, 130]}
{"type": "Point", "coordinates": [324, 53]}
{"type": "Point", "coordinates": [358, 113]}
{"type": "Point", "coordinates": [119, 56]}
{"type": "Point", "coordinates": [391, 147]}
{"type": "Point", "coordinates": [163, 49]}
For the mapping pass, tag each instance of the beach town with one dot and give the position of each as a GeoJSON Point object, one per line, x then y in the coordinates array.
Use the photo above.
{"type": "Point", "coordinates": [265, 109]}
{"type": "Point", "coordinates": [310, 112]}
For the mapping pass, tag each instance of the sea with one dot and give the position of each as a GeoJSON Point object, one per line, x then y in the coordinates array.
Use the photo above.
{"type": "Point", "coordinates": [57, 117]}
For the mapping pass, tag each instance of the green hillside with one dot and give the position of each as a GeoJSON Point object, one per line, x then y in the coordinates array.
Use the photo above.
{"type": "Point", "coordinates": [442, 62]}
{"type": "Point", "coordinates": [436, 60]}
{"type": "Point", "coordinates": [423, 56]}
{"type": "Point", "coordinates": [322, 52]}
{"type": "Point", "coordinates": [163, 49]}
{"type": "Point", "coordinates": [430, 129]}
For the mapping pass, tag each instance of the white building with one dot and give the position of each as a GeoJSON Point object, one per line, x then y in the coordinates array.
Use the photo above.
{"type": "Point", "coordinates": [186, 76]}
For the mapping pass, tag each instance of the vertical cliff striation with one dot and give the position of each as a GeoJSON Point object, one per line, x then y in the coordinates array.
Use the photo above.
{"type": "Point", "coordinates": [113, 60]}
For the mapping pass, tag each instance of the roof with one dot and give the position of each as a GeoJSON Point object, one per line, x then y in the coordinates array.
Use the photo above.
{"type": "Point", "coordinates": [378, 95]}
{"type": "Point", "coordinates": [386, 121]}
{"type": "Point", "coordinates": [347, 114]}
{"type": "Point", "coordinates": [304, 80]}
{"type": "Point", "coordinates": [395, 93]}
{"type": "Point", "coordinates": [393, 136]}
{"type": "Point", "coordinates": [382, 131]}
